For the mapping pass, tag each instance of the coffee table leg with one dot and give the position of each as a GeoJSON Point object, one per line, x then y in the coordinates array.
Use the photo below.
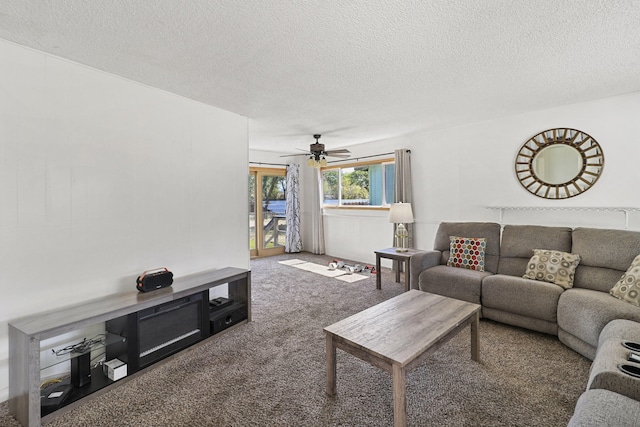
{"type": "Point", "coordinates": [475, 348]}
{"type": "Point", "coordinates": [407, 276]}
{"type": "Point", "coordinates": [331, 366]}
{"type": "Point", "coordinates": [378, 273]}
{"type": "Point", "coordinates": [399, 396]}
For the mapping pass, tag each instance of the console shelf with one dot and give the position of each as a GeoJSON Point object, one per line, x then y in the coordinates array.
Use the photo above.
{"type": "Point", "coordinates": [109, 339]}
{"type": "Point", "coordinates": [122, 310]}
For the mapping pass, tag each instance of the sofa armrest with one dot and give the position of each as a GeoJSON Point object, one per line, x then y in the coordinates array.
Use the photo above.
{"type": "Point", "coordinates": [420, 262]}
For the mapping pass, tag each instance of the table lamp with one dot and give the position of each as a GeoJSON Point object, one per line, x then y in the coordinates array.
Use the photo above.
{"type": "Point", "coordinates": [400, 213]}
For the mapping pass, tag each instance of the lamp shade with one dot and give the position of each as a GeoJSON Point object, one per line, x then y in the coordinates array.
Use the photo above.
{"type": "Point", "coordinates": [401, 213]}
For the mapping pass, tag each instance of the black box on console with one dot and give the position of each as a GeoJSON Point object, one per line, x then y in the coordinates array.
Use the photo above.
{"type": "Point", "coordinates": [221, 319]}
{"type": "Point", "coordinates": [219, 303]}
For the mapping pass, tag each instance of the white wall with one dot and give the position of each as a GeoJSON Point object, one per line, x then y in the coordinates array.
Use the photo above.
{"type": "Point", "coordinates": [102, 178]}
{"type": "Point", "coordinates": [458, 172]}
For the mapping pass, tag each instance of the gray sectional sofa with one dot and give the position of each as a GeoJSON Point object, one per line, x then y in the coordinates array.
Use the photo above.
{"type": "Point", "coordinates": [577, 315]}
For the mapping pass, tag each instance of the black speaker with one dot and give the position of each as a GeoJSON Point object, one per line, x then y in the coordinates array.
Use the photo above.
{"type": "Point", "coordinates": [221, 319]}
{"type": "Point", "coordinates": [156, 280]}
{"type": "Point", "coordinates": [81, 370]}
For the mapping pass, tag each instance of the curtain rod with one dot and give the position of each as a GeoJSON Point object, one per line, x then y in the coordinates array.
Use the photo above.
{"type": "Point", "coordinates": [268, 164]}
{"type": "Point", "coordinates": [364, 157]}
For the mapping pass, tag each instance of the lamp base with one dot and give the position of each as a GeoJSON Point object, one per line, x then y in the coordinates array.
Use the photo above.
{"type": "Point", "coordinates": [402, 238]}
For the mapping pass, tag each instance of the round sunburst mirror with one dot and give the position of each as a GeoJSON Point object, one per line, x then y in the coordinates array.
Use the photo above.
{"type": "Point", "coordinates": [559, 163]}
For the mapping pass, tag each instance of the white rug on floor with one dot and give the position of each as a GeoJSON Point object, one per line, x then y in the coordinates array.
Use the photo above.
{"type": "Point", "coordinates": [292, 261]}
{"type": "Point", "coordinates": [350, 278]}
{"type": "Point", "coordinates": [323, 270]}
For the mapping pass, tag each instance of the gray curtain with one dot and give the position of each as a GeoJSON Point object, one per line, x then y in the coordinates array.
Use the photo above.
{"type": "Point", "coordinates": [316, 215]}
{"type": "Point", "coordinates": [403, 191]}
{"type": "Point", "coordinates": [403, 187]}
{"type": "Point", "coordinates": [293, 241]}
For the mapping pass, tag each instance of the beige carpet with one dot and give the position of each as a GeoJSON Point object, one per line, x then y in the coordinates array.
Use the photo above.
{"type": "Point", "coordinates": [271, 372]}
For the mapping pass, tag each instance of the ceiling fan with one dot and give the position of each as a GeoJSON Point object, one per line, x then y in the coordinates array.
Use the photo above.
{"type": "Point", "coordinates": [318, 155]}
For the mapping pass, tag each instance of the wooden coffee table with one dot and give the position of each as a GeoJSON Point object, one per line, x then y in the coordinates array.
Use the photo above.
{"type": "Point", "coordinates": [398, 334]}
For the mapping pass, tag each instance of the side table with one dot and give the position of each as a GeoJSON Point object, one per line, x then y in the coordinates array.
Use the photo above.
{"type": "Point", "coordinates": [391, 253]}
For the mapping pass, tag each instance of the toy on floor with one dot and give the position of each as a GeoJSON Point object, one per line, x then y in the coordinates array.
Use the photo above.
{"type": "Point", "coordinates": [350, 269]}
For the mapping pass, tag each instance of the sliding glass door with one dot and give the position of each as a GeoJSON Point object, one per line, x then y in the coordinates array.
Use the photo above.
{"type": "Point", "coordinates": [267, 220]}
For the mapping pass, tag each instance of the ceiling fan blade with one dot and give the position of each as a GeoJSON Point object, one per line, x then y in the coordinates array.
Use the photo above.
{"type": "Point", "coordinates": [294, 155]}
{"type": "Point", "coordinates": [341, 156]}
{"type": "Point", "coordinates": [341, 151]}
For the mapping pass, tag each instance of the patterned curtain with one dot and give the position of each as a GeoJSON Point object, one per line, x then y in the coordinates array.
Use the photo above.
{"type": "Point", "coordinates": [293, 240]}
{"type": "Point", "coordinates": [316, 215]}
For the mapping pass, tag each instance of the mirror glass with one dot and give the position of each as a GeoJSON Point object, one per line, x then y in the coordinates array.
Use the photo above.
{"type": "Point", "coordinates": [557, 164]}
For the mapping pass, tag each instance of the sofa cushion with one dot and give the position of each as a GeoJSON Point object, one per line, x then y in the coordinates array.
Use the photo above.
{"type": "Point", "coordinates": [604, 408]}
{"type": "Point", "coordinates": [604, 256]}
{"type": "Point", "coordinates": [519, 241]}
{"type": "Point", "coordinates": [538, 300]}
{"type": "Point", "coordinates": [553, 267]}
{"type": "Point", "coordinates": [515, 319]}
{"type": "Point", "coordinates": [467, 252]}
{"type": "Point", "coordinates": [596, 278]}
{"type": "Point", "coordinates": [583, 313]}
{"type": "Point", "coordinates": [628, 287]}
{"type": "Point", "coordinates": [453, 282]}
{"type": "Point", "coordinates": [488, 230]}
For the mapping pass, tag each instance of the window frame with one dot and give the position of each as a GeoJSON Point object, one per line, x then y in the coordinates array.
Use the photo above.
{"type": "Point", "coordinates": [339, 167]}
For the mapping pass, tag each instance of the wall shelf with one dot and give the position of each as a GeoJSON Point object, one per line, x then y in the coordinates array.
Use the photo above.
{"type": "Point", "coordinates": [625, 210]}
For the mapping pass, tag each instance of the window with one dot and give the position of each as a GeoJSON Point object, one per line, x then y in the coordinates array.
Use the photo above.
{"type": "Point", "coordinates": [369, 184]}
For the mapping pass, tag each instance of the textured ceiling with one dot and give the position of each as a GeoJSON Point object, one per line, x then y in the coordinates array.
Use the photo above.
{"type": "Point", "coordinates": [354, 71]}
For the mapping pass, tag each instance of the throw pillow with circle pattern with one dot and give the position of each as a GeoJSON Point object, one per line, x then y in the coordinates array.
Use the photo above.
{"type": "Point", "coordinates": [553, 267]}
{"type": "Point", "coordinates": [467, 252]}
{"type": "Point", "coordinates": [628, 287]}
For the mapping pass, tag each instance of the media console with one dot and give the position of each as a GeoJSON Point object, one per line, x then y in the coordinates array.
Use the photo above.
{"type": "Point", "coordinates": [140, 329]}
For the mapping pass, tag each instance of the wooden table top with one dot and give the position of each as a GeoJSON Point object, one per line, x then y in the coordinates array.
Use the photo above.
{"type": "Point", "coordinates": [402, 328]}
{"type": "Point", "coordinates": [392, 253]}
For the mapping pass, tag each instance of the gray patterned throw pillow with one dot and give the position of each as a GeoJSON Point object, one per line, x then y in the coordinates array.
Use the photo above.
{"type": "Point", "coordinates": [628, 287]}
{"type": "Point", "coordinates": [553, 267]}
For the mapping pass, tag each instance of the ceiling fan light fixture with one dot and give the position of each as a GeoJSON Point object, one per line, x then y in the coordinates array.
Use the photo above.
{"type": "Point", "coordinates": [323, 162]}
{"type": "Point", "coordinates": [311, 162]}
